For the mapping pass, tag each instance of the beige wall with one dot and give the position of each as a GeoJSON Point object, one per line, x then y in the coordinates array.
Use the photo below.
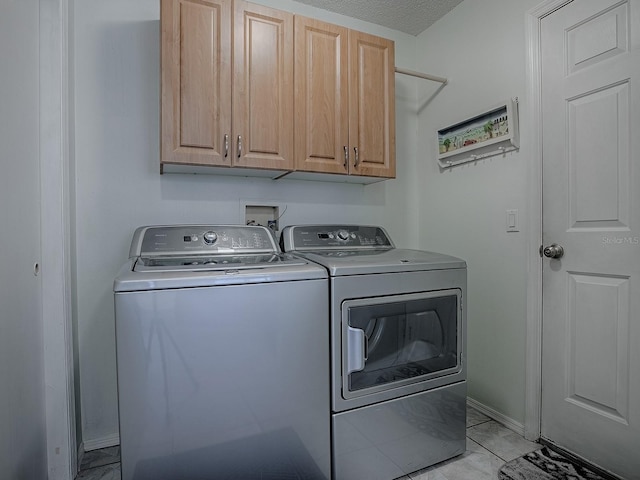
{"type": "Point", "coordinates": [480, 47]}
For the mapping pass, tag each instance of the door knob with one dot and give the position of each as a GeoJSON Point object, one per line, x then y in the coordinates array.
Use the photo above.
{"type": "Point", "coordinates": [553, 251]}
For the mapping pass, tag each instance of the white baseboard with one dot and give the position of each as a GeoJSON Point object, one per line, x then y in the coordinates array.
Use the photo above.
{"type": "Point", "coordinates": [79, 457]}
{"type": "Point", "coordinates": [102, 442]}
{"type": "Point", "coordinates": [510, 423]}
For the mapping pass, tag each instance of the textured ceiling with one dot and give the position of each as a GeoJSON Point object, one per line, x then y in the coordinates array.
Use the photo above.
{"type": "Point", "coordinates": [409, 16]}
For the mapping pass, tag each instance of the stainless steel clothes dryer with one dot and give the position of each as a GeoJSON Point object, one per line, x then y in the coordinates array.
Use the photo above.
{"type": "Point", "coordinates": [223, 365]}
{"type": "Point", "coordinates": [398, 333]}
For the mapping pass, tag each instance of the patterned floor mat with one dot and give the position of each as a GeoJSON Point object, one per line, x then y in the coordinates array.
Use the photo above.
{"type": "Point", "coordinates": [545, 464]}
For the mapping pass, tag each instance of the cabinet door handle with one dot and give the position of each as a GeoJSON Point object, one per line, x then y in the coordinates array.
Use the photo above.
{"type": "Point", "coordinates": [226, 145]}
{"type": "Point", "coordinates": [239, 146]}
{"type": "Point", "coordinates": [346, 156]}
{"type": "Point", "coordinates": [357, 159]}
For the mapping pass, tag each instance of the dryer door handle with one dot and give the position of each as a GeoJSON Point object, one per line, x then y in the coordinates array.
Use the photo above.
{"type": "Point", "coordinates": [356, 349]}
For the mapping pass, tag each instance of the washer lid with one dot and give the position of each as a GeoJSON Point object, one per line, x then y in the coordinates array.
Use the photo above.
{"type": "Point", "coordinates": [213, 262]}
{"type": "Point", "coordinates": [135, 277]}
{"type": "Point", "coordinates": [358, 262]}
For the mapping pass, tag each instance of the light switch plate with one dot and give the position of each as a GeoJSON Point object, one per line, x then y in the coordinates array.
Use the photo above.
{"type": "Point", "coordinates": [512, 221]}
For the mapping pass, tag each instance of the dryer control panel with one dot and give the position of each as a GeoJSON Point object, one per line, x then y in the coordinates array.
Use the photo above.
{"type": "Point", "coordinates": [332, 237]}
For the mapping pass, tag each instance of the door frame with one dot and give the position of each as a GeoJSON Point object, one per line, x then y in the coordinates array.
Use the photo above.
{"type": "Point", "coordinates": [55, 246]}
{"type": "Point", "coordinates": [533, 351]}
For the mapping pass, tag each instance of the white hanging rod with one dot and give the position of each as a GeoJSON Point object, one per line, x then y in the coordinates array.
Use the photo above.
{"type": "Point", "coordinates": [426, 76]}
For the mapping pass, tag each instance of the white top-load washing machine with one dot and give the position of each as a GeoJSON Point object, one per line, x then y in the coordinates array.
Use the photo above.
{"type": "Point", "coordinates": [223, 364]}
{"type": "Point", "coordinates": [398, 365]}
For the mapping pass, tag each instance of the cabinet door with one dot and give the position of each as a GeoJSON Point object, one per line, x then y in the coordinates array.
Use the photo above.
{"type": "Point", "coordinates": [321, 96]}
{"type": "Point", "coordinates": [263, 87]}
{"type": "Point", "coordinates": [372, 105]}
{"type": "Point", "coordinates": [196, 81]}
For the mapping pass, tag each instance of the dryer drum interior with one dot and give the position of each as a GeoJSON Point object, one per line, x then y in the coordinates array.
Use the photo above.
{"type": "Point", "coordinates": [405, 340]}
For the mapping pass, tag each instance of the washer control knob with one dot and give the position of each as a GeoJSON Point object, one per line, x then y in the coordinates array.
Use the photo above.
{"type": "Point", "coordinates": [210, 237]}
{"type": "Point", "coordinates": [343, 235]}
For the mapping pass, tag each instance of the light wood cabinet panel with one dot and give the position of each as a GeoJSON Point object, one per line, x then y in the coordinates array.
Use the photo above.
{"type": "Point", "coordinates": [196, 81]}
{"type": "Point", "coordinates": [345, 99]}
{"type": "Point", "coordinates": [208, 120]}
{"type": "Point", "coordinates": [321, 96]}
{"type": "Point", "coordinates": [263, 87]}
{"type": "Point", "coordinates": [372, 105]}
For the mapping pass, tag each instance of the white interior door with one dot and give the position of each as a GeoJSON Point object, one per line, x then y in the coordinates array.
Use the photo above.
{"type": "Point", "coordinates": [23, 452]}
{"type": "Point", "coordinates": [591, 208]}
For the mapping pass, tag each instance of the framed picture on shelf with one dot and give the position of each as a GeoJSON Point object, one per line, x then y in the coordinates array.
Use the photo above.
{"type": "Point", "coordinates": [497, 127]}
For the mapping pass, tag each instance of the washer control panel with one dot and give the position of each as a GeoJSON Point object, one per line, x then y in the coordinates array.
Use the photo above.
{"type": "Point", "coordinates": [319, 237]}
{"type": "Point", "coordinates": [191, 239]}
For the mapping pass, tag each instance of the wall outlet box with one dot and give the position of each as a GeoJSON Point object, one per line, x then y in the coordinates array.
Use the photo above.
{"type": "Point", "coordinates": [266, 215]}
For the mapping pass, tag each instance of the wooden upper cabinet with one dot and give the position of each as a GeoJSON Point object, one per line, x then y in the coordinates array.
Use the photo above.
{"type": "Point", "coordinates": [372, 130]}
{"type": "Point", "coordinates": [206, 118]}
{"type": "Point", "coordinates": [228, 92]}
{"type": "Point", "coordinates": [196, 81]}
{"type": "Point", "coordinates": [263, 87]}
{"type": "Point", "coordinates": [345, 101]}
{"type": "Point", "coordinates": [321, 96]}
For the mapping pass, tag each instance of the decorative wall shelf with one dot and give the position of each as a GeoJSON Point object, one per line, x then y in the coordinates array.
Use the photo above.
{"type": "Point", "coordinates": [493, 132]}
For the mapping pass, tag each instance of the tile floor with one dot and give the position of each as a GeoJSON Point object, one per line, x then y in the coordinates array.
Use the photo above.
{"type": "Point", "coordinates": [489, 446]}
